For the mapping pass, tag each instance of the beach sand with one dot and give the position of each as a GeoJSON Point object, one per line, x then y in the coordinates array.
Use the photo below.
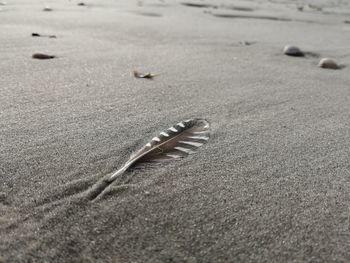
{"type": "Point", "coordinates": [271, 185]}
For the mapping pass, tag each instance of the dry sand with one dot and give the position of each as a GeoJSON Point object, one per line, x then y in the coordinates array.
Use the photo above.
{"type": "Point", "coordinates": [272, 184]}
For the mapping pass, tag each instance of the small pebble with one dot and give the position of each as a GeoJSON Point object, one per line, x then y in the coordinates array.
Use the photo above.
{"type": "Point", "coordinates": [328, 63]}
{"type": "Point", "coordinates": [292, 51]}
{"type": "Point", "coordinates": [47, 9]}
{"type": "Point", "coordinates": [81, 4]}
{"type": "Point", "coordinates": [42, 56]}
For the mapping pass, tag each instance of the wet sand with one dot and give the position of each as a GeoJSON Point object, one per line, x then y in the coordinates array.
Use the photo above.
{"type": "Point", "coordinates": [271, 185]}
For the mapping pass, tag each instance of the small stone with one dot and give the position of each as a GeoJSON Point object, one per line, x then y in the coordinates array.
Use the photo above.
{"type": "Point", "coordinates": [328, 63]}
{"type": "Point", "coordinates": [294, 51]}
{"type": "Point", "coordinates": [47, 9]}
{"type": "Point", "coordinates": [81, 4]}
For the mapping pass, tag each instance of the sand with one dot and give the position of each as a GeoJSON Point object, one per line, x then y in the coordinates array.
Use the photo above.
{"type": "Point", "coordinates": [271, 185]}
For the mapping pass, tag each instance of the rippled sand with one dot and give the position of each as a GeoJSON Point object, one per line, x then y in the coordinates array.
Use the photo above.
{"type": "Point", "coordinates": [271, 185]}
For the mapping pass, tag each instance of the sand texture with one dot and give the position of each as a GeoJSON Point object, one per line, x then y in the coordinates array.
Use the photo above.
{"type": "Point", "coordinates": [271, 185]}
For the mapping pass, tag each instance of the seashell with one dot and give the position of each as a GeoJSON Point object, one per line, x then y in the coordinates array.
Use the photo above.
{"type": "Point", "coordinates": [328, 63]}
{"type": "Point", "coordinates": [292, 51]}
{"type": "Point", "coordinates": [42, 56]}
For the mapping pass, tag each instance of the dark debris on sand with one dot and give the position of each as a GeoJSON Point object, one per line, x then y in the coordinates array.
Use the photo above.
{"type": "Point", "coordinates": [39, 35]}
{"type": "Point", "coordinates": [139, 75]}
{"type": "Point", "coordinates": [42, 56]}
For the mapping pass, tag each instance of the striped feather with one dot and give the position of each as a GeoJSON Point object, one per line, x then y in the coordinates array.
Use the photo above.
{"type": "Point", "coordinates": [176, 142]}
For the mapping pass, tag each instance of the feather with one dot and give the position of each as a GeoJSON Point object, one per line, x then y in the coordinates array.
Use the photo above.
{"type": "Point", "coordinates": [176, 142]}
